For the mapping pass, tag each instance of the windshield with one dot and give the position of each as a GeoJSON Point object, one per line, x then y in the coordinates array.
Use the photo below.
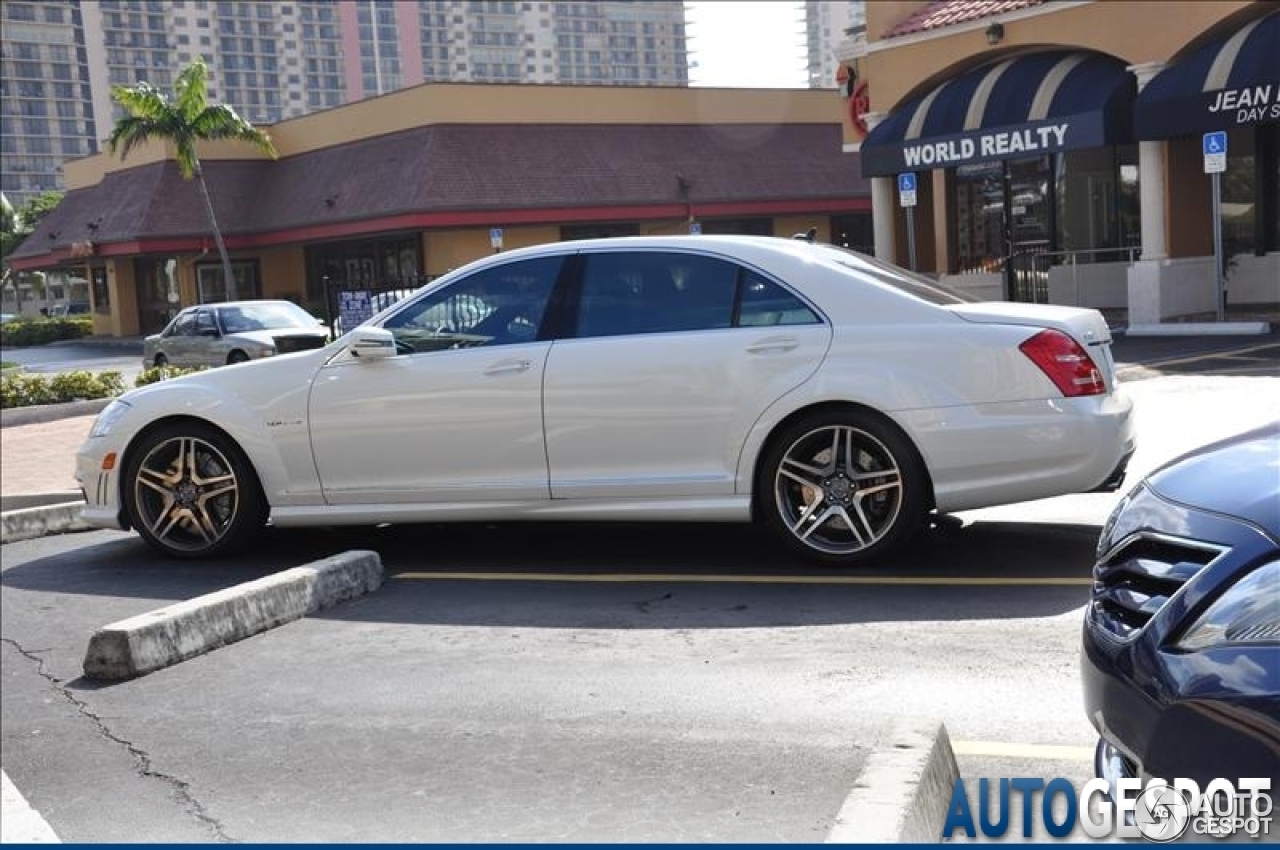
{"type": "Point", "coordinates": [268, 315]}
{"type": "Point", "coordinates": [924, 288]}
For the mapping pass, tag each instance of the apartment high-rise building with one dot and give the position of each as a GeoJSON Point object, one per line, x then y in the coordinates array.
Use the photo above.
{"type": "Point", "coordinates": [276, 59]}
{"type": "Point", "coordinates": [827, 24]}
{"type": "Point", "coordinates": [46, 96]}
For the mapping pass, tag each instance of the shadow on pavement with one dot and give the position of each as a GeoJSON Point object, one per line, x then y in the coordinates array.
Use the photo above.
{"type": "Point", "coordinates": [565, 575]}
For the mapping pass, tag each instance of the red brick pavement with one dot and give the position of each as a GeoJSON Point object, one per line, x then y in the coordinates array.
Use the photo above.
{"type": "Point", "coordinates": [41, 458]}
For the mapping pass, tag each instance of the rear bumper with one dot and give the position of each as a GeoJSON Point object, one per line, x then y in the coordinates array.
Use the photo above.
{"type": "Point", "coordinates": [998, 454]}
{"type": "Point", "coordinates": [1116, 478]}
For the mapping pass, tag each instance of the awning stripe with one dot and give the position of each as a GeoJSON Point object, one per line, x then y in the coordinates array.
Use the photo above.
{"type": "Point", "coordinates": [922, 112]}
{"type": "Point", "coordinates": [1220, 70]}
{"type": "Point", "coordinates": [1049, 86]}
{"type": "Point", "coordinates": [982, 96]}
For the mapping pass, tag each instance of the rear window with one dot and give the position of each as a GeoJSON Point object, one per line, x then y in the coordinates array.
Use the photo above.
{"type": "Point", "coordinates": [903, 280]}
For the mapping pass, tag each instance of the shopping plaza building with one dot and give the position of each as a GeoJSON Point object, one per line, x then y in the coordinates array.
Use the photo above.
{"type": "Point", "coordinates": [1058, 148]}
{"type": "Point", "coordinates": [391, 191]}
{"type": "Point", "coordinates": [1058, 151]}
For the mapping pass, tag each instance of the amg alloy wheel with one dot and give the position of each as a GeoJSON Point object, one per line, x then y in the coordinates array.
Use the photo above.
{"type": "Point", "coordinates": [190, 492]}
{"type": "Point", "coordinates": [844, 487]}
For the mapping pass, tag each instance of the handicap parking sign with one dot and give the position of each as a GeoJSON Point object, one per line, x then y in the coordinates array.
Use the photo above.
{"type": "Point", "coordinates": [1215, 152]}
{"type": "Point", "coordinates": [907, 189]}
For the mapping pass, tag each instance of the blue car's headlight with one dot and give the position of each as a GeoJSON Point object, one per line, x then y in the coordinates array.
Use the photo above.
{"type": "Point", "coordinates": [1248, 612]}
{"type": "Point", "coordinates": [107, 419]}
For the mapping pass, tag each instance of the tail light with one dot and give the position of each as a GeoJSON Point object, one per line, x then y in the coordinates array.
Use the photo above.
{"type": "Point", "coordinates": [1068, 365]}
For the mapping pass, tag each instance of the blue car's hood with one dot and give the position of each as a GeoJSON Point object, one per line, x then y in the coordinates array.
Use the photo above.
{"type": "Point", "coordinates": [1239, 476]}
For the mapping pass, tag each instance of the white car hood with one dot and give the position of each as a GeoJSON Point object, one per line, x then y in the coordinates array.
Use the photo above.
{"type": "Point", "coordinates": [267, 337]}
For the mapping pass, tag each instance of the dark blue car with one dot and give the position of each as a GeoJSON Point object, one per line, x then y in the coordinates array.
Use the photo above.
{"type": "Point", "coordinates": [1181, 659]}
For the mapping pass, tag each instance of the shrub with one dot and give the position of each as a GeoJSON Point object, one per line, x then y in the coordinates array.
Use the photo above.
{"type": "Point", "coordinates": [24, 389]}
{"type": "Point", "coordinates": [24, 332]}
{"type": "Point", "coordinates": [159, 373]}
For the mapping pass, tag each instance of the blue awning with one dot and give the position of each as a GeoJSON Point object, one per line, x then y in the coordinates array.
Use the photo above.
{"type": "Point", "coordinates": [1018, 107]}
{"type": "Point", "coordinates": [1231, 82]}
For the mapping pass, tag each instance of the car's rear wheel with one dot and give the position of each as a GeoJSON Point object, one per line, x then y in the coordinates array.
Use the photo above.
{"type": "Point", "coordinates": [843, 487]}
{"type": "Point", "coordinates": [161, 361]}
{"type": "Point", "coordinates": [237, 356]}
{"type": "Point", "coordinates": [191, 492]}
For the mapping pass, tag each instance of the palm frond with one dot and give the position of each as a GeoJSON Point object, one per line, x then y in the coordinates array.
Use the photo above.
{"type": "Point", "coordinates": [192, 89]}
{"type": "Point", "coordinates": [223, 122]}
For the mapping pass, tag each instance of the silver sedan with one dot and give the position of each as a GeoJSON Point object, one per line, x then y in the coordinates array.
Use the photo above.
{"type": "Point", "coordinates": [233, 332]}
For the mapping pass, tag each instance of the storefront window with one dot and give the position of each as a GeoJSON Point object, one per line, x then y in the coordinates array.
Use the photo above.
{"type": "Point", "coordinates": [979, 191]}
{"type": "Point", "coordinates": [1239, 207]}
{"type": "Point", "coordinates": [379, 264]}
{"type": "Point", "coordinates": [1098, 214]}
{"type": "Point", "coordinates": [212, 283]}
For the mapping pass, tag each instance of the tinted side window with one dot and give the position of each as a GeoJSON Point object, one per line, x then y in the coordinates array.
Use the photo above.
{"type": "Point", "coordinates": [654, 292]}
{"type": "Point", "coordinates": [184, 325]}
{"type": "Point", "coordinates": [765, 303]}
{"type": "Point", "coordinates": [501, 305]}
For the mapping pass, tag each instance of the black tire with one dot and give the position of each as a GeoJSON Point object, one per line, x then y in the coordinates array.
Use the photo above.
{"type": "Point", "coordinates": [237, 356]}
{"type": "Point", "coordinates": [838, 506]}
{"type": "Point", "coordinates": [190, 492]}
{"type": "Point", "coordinates": [161, 361]}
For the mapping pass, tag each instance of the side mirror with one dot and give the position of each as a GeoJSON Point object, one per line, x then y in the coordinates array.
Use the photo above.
{"type": "Point", "coordinates": [372, 344]}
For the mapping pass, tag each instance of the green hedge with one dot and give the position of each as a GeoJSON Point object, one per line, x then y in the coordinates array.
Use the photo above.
{"type": "Point", "coordinates": [24, 332]}
{"type": "Point", "coordinates": [25, 388]}
{"type": "Point", "coordinates": [160, 373]}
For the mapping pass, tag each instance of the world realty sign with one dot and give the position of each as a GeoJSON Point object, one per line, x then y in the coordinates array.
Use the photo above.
{"type": "Point", "coordinates": [982, 145]}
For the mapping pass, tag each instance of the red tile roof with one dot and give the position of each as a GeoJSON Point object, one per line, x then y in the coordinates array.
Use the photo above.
{"type": "Point", "coordinates": [458, 168]}
{"type": "Point", "coordinates": [945, 13]}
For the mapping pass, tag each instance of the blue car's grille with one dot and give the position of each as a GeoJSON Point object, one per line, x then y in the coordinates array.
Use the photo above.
{"type": "Point", "coordinates": [1134, 581]}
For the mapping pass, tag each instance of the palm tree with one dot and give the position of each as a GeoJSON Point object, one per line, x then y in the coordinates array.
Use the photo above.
{"type": "Point", "coordinates": [184, 121]}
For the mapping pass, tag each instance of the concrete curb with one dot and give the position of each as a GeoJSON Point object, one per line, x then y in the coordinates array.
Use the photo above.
{"type": "Point", "coordinates": [166, 636]}
{"type": "Point", "coordinates": [1200, 329]}
{"type": "Point", "coordinates": [904, 790]}
{"type": "Point", "coordinates": [30, 523]}
{"type": "Point", "coordinates": [19, 501]}
{"type": "Point", "coordinates": [14, 416]}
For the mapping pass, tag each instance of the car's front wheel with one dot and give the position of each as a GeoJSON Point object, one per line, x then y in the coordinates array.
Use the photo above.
{"type": "Point", "coordinates": [843, 487]}
{"type": "Point", "coordinates": [161, 361]}
{"type": "Point", "coordinates": [237, 356]}
{"type": "Point", "coordinates": [191, 492]}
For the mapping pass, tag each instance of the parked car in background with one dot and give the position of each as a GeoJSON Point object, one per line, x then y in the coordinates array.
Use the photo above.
{"type": "Point", "coordinates": [1181, 646]}
{"type": "Point", "coordinates": [75, 308]}
{"type": "Point", "coordinates": [836, 399]}
{"type": "Point", "coordinates": [233, 332]}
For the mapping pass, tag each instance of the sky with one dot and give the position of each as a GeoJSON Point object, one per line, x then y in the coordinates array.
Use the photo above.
{"type": "Point", "coordinates": [746, 44]}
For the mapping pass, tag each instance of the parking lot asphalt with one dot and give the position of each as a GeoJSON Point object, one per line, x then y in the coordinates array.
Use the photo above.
{"type": "Point", "coordinates": [39, 458]}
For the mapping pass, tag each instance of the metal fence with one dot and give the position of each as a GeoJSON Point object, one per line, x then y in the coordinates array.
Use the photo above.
{"type": "Point", "coordinates": [1027, 267]}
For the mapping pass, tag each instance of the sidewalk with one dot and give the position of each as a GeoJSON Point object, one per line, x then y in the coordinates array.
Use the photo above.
{"type": "Point", "coordinates": [40, 458]}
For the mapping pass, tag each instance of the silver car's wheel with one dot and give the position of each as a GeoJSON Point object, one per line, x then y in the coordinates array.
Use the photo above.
{"type": "Point", "coordinates": [161, 361]}
{"type": "Point", "coordinates": [190, 492]}
{"type": "Point", "coordinates": [237, 356]}
{"type": "Point", "coordinates": [844, 487]}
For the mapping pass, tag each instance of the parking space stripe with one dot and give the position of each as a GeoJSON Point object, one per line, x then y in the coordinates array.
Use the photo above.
{"type": "Point", "coordinates": [648, 578]}
{"type": "Point", "coordinates": [1001, 749]}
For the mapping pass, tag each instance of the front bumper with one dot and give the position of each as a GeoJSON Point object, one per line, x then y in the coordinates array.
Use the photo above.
{"type": "Point", "coordinates": [101, 486]}
{"type": "Point", "coordinates": [1162, 711]}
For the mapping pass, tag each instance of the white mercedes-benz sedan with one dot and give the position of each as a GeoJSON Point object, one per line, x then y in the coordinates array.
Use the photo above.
{"type": "Point", "coordinates": [833, 398]}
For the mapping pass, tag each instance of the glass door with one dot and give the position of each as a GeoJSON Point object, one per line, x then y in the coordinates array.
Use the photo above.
{"type": "Point", "coordinates": [1027, 211]}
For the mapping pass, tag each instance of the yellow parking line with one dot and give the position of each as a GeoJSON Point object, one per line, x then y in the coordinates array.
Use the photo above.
{"type": "Point", "coordinates": [639, 578]}
{"type": "Point", "coordinates": [1000, 749]}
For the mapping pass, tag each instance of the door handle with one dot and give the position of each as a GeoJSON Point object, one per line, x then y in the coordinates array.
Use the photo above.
{"type": "Point", "coordinates": [773, 343]}
{"type": "Point", "coordinates": [508, 367]}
